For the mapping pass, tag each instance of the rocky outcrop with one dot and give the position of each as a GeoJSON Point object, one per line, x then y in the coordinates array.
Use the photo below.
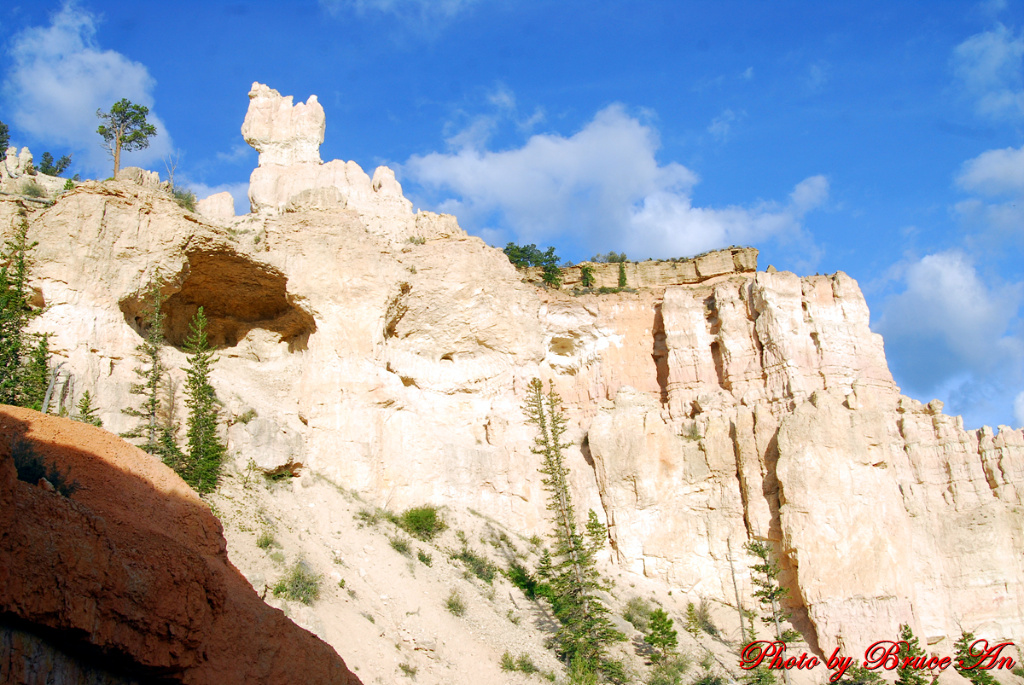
{"type": "Point", "coordinates": [18, 175]}
{"type": "Point", "coordinates": [713, 405]}
{"type": "Point", "coordinates": [144, 589]}
{"type": "Point", "coordinates": [291, 178]}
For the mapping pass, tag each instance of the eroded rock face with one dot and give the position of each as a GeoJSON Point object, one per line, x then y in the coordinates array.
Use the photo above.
{"type": "Point", "coordinates": [713, 405]}
{"type": "Point", "coordinates": [282, 133]}
{"type": "Point", "coordinates": [145, 589]}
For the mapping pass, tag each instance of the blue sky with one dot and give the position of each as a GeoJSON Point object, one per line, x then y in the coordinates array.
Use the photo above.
{"type": "Point", "coordinates": [884, 139]}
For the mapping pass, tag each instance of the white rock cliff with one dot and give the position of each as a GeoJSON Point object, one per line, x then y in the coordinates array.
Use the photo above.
{"type": "Point", "coordinates": [705, 410]}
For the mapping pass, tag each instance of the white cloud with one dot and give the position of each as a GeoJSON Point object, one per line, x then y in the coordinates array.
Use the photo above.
{"type": "Point", "coordinates": [950, 335]}
{"type": "Point", "coordinates": [989, 67]}
{"type": "Point", "coordinates": [414, 10]}
{"type": "Point", "coordinates": [601, 188]}
{"type": "Point", "coordinates": [996, 172]}
{"type": "Point", "coordinates": [721, 126]}
{"type": "Point", "coordinates": [59, 77]}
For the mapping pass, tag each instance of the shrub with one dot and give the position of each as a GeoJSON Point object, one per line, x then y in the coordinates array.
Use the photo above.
{"type": "Point", "coordinates": [425, 558]}
{"type": "Point", "coordinates": [31, 469]}
{"type": "Point", "coordinates": [417, 240]}
{"type": "Point", "coordinates": [408, 670]}
{"type": "Point", "coordinates": [508, 662]}
{"type": "Point", "coordinates": [368, 517]}
{"type": "Point", "coordinates": [33, 189]}
{"type": "Point", "coordinates": [266, 540]}
{"type": "Point", "coordinates": [69, 184]}
{"type": "Point", "coordinates": [478, 565]}
{"type": "Point", "coordinates": [301, 583]}
{"type": "Point", "coordinates": [586, 276]}
{"type": "Point", "coordinates": [638, 612]}
{"type": "Point", "coordinates": [185, 198]}
{"type": "Point", "coordinates": [704, 618]}
{"type": "Point", "coordinates": [622, 274]}
{"type": "Point", "coordinates": [455, 604]}
{"type": "Point", "coordinates": [246, 416]}
{"type": "Point", "coordinates": [669, 671]}
{"type": "Point", "coordinates": [422, 522]}
{"type": "Point", "coordinates": [401, 546]}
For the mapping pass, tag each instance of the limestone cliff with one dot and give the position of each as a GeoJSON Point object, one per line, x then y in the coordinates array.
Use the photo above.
{"type": "Point", "coordinates": [389, 351]}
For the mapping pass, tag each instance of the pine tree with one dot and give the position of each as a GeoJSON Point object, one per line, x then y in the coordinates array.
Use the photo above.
{"type": "Point", "coordinates": [964, 658]}
{"type": "Point", "coordinates": [205, 448]}
{"type": "Point", "coordinates": [910, 648]}
{"type": "Point", "coordinates": [35, 375]}
{"type": "Point", "coordinates": [586, 631]}
{"type": "Point", "coordinates": [86, 412]}
{"type": "Point", "coordinates": [769, 592]}
{"type": "Point", "coordinates": [661, 636]}
{"type": "Point", "coordinates": [14, 315]}
{"type": "Point", "coordinates": [151, 373]}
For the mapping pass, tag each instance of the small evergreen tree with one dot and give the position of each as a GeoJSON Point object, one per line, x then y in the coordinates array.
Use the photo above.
{"type": "Point", "coordinates": [14, 315]}
{"type": "Point", "coordinates": [5, 138]}
{"type": "Point", "coordinates": [151, 373]}
{"type": "Point", "coordinates": [622, 275]}
{"type": "Point", "coordinates": [35, 376]}
{"type": "Point", "coordinates": [910, 648]}
{"type": "Point", "coordinates": [964, 658]}
{"type": "Point", "coordinates": [769, 592]}
{"type": "Point", "coordinates": [586, 631]}
{"type": "Point", "coordinates": [86, 412]}
{"type": "Point", "coordinates": [50, 168]}
{"type": "Point", "coordinates": [661, 636]}
{"type": "Point", "coordinates": [586, 276]}
{"type": "Point", "coordinates": [205, 448]}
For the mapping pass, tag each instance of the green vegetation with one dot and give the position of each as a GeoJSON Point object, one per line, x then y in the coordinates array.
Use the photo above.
{"type": "Point", "coordinates": [185, 198]}
{"type": "Point", "coordinates": [409, 671]}
{"type": "Point", "coordinates": [417, 240]}
{"type": "Point", "coordinates": [206, 450]}
{"type": "Point", "coordinates": [33, 189]}
{"type": "Point", "coordinates": [669, 671]}
{"type": "Point", "coordinates": [455, 604]}
{"type": "Point", "coordinates": [300, 583]}
{"type": "Point", "coordinates": [964, 658]}
{"type": "Point", "coordinates": [769, 592]}
{"type": "Point", "coordinates": [124, 128]}
{"type": "Point", "coordinates": [401, 545]}
{"type": "Point", "coordinates": [86, 412]}
{"type": "Point", "coordinates": [266, 539]}
{"type": "Point", "coordinates": [661, 636]}
{"type": "Point", "coordinates": [523, 664]}
{"type": "Point", "coordinates": [586, 276]}
{"type": "Point", "coordinates": [476, 564]}
{"type": "Point", "coordinates": [31, 468]}
{"type": "Point", "coordinates": [50, 168]}
{"type": "Point", "coordinates": [5, 138]}
{"type": "Point", "coordinates": [638, 612]}
{"type": "Point", "coordinates": [698, 618]}
{"type": "Point", "coordinates": [422, 522]}
{"type": "Point", "coordinates": [610, 258]}
{"type": "Point", "coordinates": [425, 558]}
{"type": "Point", "coordinates": [910, 649]}
{"type": "Point", "coordinates": [856, 674]}
{"type": "Point", "coordinates": [528, 255]}
{"type": "Point", "coordinates": [622, 275]}
{"type": "Point", "coordinates": [151, 372]}
{"type": "Point", "coordinates": [24, 367]}
{"type": "Point", "coordinates": [586, 632]}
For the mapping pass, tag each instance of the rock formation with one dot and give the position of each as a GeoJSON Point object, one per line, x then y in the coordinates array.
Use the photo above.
{"type": "Point", "coordinates": [390, 351]}
{"type": "Point", "coordinates": [144, 590]}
